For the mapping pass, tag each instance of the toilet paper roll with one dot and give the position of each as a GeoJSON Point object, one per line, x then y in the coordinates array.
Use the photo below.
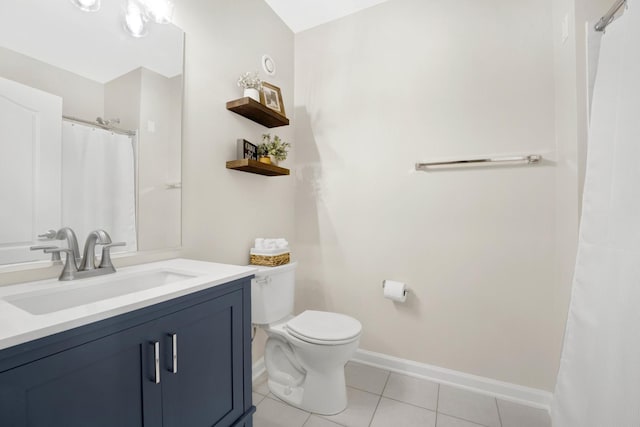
{"type": "Point", "coordinates": [395, 291]}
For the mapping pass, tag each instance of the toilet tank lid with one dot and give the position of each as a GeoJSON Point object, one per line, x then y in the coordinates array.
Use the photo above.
{"type": "Point", "coordinates": [324, 326]}
{"type": "Point", "coordinates": [264, 271]}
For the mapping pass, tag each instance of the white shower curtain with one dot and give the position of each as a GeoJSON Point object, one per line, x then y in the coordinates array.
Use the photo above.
{"type": "Point", "coordinates": [98, 184]}
{"type": "Point", "coordinates": [599, 379]}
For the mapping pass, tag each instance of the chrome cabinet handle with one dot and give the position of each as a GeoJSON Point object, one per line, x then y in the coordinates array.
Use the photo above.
{"type": "Point", "coordinates": [174, 353]}
{"type": "Point", "coordinates": [156, 361]}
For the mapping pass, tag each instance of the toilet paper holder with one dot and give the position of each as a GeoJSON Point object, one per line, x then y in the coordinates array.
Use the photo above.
{"type": "Point", "coordinates": [406, 291]}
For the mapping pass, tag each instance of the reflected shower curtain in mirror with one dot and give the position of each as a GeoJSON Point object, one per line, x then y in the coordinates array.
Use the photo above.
{"type": "Point", "coordinates": [599, 379]}
{"type": "Point", "coordinates": [98, 183]}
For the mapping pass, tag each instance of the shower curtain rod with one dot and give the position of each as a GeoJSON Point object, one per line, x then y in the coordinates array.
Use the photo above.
{"type": "Point", "coordinates": [608, 17]}
{"type": "Point", "coordinates": [98, 125]}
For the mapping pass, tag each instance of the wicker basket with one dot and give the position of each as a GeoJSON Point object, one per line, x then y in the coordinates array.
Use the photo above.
{"type": "Point", "coordinates": [270, 260]}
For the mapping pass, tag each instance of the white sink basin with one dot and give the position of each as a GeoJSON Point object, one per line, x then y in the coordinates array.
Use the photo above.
{"type": "Point", "coordinates": [37, 309]}
{"type": "Point", "coordinates": [87, 291]}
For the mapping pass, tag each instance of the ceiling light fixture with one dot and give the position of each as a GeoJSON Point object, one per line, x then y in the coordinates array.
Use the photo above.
{"type": "Point", "coordinates": [136, 13]}
{"type": "Point", "coordinates": [134, 20]}
{"type": "Point", "coordinates": [87, 5]}
{"type": "Point", "coordinates": [159, 11]}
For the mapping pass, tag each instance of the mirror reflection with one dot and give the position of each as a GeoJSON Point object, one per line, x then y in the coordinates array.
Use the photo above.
{"type": "Point", "coordinates": [90, 128]}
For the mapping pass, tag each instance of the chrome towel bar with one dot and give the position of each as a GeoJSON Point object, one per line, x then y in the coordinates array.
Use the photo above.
{"type": "Point", "coordinates": [528, 160]}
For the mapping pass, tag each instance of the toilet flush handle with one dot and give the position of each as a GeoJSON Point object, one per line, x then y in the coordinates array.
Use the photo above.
{"type": "Point", "coordinates": [263, 280]}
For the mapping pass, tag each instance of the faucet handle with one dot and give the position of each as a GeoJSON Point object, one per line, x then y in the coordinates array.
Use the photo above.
{"type": "Point", "coordinates": [70, 266]}
{"type": "Point", "coordinates": [55, 256]}
{"type": "Point", "coordinates": [49, 235]}
{"type": "Point", "coordinates": [105, 259]}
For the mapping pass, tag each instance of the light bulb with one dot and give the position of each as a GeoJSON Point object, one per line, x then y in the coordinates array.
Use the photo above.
{"type": "Point", "coordinates": [159, 11]}
{"type": "Point", "coordinates": [87, 5]}
{"type": "Point", "coordinates": [134, 21]}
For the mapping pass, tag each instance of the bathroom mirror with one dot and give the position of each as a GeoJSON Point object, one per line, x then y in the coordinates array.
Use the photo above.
{"type": "Point", "coordinates": [61, 70]}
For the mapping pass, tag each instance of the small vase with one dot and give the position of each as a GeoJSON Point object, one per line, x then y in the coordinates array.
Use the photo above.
{"type": "Point", "coordinates": [274, 161]}
{"type": "Point", "coordinates": [252, 93]}
{"type": "Point", "coordinates": [265, 159]}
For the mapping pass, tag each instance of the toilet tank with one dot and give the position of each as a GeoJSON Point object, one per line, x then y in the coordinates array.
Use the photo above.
{"type": "Point", "coordinates": [272, 292]}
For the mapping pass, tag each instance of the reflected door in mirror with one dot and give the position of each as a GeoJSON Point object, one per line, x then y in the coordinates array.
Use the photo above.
{"type": "Point", "coordinates": [30, 158]}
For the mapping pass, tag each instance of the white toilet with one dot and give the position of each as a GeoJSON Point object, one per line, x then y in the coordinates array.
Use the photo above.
{"type": "Point", "coordinates": [305, 354]}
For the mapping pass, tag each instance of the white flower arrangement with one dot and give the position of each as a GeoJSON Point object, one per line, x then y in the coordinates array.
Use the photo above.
{"type": "Point", "coordinates": [250, 81]}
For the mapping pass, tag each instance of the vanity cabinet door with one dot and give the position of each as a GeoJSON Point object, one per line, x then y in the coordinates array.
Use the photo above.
{"type": "Point", "coordinates": [207, 389]}
{"type": "Point", "coordinates": [105, 382]}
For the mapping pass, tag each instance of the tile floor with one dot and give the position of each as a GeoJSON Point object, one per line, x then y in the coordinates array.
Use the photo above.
{"type": "Point", "coordinates": [379, 398]}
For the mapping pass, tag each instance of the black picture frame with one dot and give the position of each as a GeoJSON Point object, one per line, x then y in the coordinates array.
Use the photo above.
{"type": "Point", "coordinates": [246, 150]}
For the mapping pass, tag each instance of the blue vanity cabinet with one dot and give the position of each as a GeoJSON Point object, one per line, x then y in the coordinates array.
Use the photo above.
{"type": "Point", "coordinates": [106, 373]}
{"type": "Point", "coordinates": [94, 384]}
{"type": "Point", "coordinates": [209, 341]}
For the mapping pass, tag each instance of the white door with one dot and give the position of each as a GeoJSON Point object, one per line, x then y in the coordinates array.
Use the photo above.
{"type": "Point", "coordinates": [30, 163]}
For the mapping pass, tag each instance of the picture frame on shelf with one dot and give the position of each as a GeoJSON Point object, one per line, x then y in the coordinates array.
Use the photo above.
{"type": "Point", "coordinates": [246, 150]}
{"type": "Point", "coordinates": [271, 97]}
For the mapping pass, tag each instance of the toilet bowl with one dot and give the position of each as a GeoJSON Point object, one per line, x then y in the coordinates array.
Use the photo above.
{"type": "Point", "coordinates": [308, 371]}
{"type": "Point", "coordinates": [305, 354]}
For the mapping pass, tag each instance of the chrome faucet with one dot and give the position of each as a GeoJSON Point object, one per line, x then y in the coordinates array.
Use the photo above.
{"type": "Point", "coordinates": [87, 268]}
{"type": "Point", "coordinates": [66, 233]}
{"type": "Point", "coordinates": [96, 237]}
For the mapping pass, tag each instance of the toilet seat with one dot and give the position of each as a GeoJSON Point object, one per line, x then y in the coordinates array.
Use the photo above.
{"type": "Point", "coordinates": [324, 328]}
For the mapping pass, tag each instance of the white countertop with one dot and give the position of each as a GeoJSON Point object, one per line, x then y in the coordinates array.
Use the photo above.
{"type": "Point", "coordinates": [18, 326]}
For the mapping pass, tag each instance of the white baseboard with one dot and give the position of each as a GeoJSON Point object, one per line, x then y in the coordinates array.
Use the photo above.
{"type": "Point", "coordinates": [258, 369]}
{"type": "Point", "coordinates": [502, 390]}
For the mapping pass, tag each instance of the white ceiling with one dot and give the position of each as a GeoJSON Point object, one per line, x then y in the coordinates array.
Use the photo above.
{"type": "Point", "coordinates": [93, 45]}
{"type": "Point", "coordinates": [301, 15]}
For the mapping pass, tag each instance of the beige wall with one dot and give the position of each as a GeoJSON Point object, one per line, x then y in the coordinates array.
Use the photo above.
{"type": "Point", "coordinates": [83, 98]}
{"type": "Point", "coordinates": [159, 207]}
{"type": "Point", "coordinates": [122, 99]}
{"type": "Point", "coordinates": [567, 166]}
{"type": "Point", "coordinates": [407, 81]}
{"type": "Point", "coordinates": [224, 210]}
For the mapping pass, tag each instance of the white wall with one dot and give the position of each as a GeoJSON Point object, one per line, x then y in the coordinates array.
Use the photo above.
{"type": "Point", "coordinates": [407, 81]}
{"type": "Point", "coordinates": [83, 98]}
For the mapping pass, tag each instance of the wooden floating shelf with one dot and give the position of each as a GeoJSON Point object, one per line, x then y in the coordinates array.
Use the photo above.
{"type": "Point", "coordinates": [253, 166]}
{"type": "Point", "coordinates": [253, 110]}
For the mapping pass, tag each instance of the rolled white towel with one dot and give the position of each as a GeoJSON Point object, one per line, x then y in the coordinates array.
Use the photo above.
{"type": "Point", "coordinates": [268, 244]}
